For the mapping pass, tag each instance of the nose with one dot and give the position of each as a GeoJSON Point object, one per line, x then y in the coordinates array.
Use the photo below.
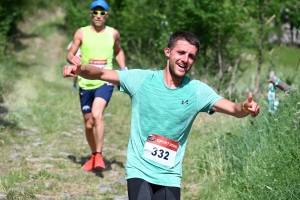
{"type": "Point", "coordinates": [184, 58]}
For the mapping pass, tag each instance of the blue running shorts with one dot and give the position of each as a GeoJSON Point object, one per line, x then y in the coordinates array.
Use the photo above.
{"type": "Point", "coordinates": [87, 96]}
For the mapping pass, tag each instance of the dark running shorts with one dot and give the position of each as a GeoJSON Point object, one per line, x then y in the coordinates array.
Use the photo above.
{"type": "Point", "coordinates": [139, 189]}
{"type": "Point", "coordinates": [87, 96]}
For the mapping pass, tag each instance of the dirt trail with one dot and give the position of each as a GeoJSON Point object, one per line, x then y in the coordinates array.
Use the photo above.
{"type": "Point", "coordinates": [41, 54]}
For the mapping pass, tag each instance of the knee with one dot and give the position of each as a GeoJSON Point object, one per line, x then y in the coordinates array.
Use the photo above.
{"type": "Point", "coordinates": [89, 124]}
{"type": "Point", "coordinates": [97, 117]}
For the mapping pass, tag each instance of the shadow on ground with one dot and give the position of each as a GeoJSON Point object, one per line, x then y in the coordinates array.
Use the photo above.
{"type": "Point", "coordinates": [3, 122]}
{"type": "Point", "coordinates": [18, 36]}
{"type": "Point", "coordinates": [97, 172]}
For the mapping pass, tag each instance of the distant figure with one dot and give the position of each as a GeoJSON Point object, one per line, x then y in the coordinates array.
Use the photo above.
{"type": "Point", "coordinates": [78, 53]}
{"type": "Point", "coordinates": [98, 44]}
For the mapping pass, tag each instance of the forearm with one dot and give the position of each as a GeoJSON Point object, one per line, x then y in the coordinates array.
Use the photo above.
{"type": "Point", "coordinates": [69, 57]}
{"type": "Point", "coordinates": [120, 58]}
{"type": "Point", "coordinates": [90, 72]}
{"type": "Point", "coordinates": [95, 73]}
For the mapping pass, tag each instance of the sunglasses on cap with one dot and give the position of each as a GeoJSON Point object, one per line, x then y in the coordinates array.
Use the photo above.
{"type": "Point", "coordinates": [96, 13]}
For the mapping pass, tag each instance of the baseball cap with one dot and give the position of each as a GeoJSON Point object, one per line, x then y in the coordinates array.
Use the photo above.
{"type": "Point", "coordinates": [100, 3]}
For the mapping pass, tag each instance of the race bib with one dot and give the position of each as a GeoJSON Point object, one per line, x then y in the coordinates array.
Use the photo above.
{"type": "Point", "coordinates": [98, 63]}
{"type": "Point", "coordinates": [161, 150]}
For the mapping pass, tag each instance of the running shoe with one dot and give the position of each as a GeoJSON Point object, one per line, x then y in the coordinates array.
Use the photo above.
{"type": "Point", "coordinates": [99, 163]}
{"type": "Point", "coordinates": [89, 165]}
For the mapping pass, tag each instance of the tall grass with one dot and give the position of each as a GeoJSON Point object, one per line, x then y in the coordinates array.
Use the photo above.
{"type": "Point", "coordinates": [258, 159]}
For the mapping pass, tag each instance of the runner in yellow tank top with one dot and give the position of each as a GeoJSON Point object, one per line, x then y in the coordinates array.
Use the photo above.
{"type": "Point", "coordinates": [99, 44]}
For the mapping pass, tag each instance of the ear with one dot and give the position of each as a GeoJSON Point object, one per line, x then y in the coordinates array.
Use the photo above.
{"type": "Point", "coordinates": [167, 52]}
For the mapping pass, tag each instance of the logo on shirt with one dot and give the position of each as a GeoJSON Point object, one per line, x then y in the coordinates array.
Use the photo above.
{"type": "Point", "coordinates": [185, 102]}
{"type": "Point", "coordinates": [151, 138]}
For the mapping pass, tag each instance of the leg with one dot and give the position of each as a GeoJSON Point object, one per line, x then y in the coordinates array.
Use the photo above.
{"type": "Point", "coordinates": [102, 97]}
{"type": "Point", "coordinates": [89, 131]}
{"type": "Point", "coordinates": [86, 101]}
{"type": "Point", "coordinates": [139, 189]}
{"type": "Point", "coordinates": [99, 105]}
{"type": "Point", "coordinates": [94, 131]}
{"type": "Point", "coordinates": [165, 192]}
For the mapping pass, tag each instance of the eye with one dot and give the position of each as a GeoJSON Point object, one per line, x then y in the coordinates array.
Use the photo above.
{"type": "Point", "coordinates": [191, 56]}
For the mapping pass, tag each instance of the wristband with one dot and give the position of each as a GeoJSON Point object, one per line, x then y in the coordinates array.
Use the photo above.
{"type": "Point", "coordinates": [244, 108]}
{"type": "Point", "coordinates": [124, 68]}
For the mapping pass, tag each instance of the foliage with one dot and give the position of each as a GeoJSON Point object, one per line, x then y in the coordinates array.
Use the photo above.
{"type": "Point", "coordinates": [224, 28]}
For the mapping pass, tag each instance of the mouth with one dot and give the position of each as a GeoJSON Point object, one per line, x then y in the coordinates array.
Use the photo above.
{"type": "Point", "coordinates": [181, 66]}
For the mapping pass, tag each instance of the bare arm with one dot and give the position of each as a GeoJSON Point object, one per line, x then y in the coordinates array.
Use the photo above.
{"type": "Point", "coordinates": [119, 53]}
{"type": "Point", "coordinates": [236, 109]}
{"type": "Point", "coordinates": [92, 73]}
{"type": "Point", "coordinates": [77, 40]}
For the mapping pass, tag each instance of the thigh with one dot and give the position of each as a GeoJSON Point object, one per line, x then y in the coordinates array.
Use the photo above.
{"type": "Point", "coordinates": [139, 189]}
{"type": "Point", "coordinates": [165, 192]}
{"type": "Point", "coordinates": [104, 92]}
{"type": "Point", "coordinates": [86, 100]}
{"type": "Point", "coordinates": [98, 107]}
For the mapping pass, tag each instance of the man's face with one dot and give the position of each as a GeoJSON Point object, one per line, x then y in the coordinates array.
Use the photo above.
{"type": "Point", "coordinates": [99, 16]}
{"type": "Point", "coordinates": [181, 58]}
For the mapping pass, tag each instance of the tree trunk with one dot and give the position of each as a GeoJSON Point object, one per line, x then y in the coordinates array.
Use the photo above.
{"type": "Point", "coordinates": [220, 73]}
{"type": "Point", "coordinates": [260, 56]}
{"type": "Point", "coordinates": [230, 89]}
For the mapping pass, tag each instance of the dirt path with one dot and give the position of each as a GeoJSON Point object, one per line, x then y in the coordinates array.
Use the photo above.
{"type": "Point", "coordinates": [41, 54]}
{"type": "Point", "coordinates": [42, 159]}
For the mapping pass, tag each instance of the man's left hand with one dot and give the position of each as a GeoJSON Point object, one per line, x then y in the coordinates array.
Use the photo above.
{"type": "Point", "coordinates": [251, 106]}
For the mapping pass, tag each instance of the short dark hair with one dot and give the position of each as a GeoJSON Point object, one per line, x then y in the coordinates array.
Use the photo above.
{"type": "Point", "coordinates": [184, 35]}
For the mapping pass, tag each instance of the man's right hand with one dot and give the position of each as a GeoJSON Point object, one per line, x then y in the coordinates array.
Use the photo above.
{"type": "Point", "coordinates": [76, 60]}
{"type": "Point", "coordinates": [71, 70]}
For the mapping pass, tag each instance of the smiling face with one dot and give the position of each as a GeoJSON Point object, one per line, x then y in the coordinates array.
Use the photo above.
{"type": "Point", "coordinates": [97, 17]}
{"type": "Point", "coordinates": [180, 58]}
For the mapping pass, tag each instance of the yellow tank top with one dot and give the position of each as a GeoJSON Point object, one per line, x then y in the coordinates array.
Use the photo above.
{"type": "Point", "coordinates": [96, 49]}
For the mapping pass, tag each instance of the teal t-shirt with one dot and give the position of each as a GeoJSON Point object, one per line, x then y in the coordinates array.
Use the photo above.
{"type": "Point", "coordinates": [159, 110]}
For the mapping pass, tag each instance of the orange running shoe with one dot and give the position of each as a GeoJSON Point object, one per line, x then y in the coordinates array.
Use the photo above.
{"type": "Point", "coordinates": [99, 163]}
{"type": "Point", "coordinates": [89, 165]}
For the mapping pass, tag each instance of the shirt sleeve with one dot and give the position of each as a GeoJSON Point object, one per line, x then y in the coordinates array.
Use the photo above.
{"type": "Point", "coordinates": [131, 80]}
{"type": "Point", "coordinates": [207, 98]}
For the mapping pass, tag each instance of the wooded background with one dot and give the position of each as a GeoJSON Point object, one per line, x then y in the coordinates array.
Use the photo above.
{"type": "Point", "coordinates": [226, 28]}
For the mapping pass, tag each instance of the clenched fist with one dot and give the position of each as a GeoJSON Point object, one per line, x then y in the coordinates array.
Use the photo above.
{"type": "Point", "coordinates": [71, 70]}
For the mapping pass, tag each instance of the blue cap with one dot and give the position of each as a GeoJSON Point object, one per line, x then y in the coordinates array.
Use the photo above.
{"type": "Point", "coordinates": [100, 3]}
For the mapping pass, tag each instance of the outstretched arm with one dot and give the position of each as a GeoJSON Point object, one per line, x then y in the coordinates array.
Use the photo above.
{"type": "Point", "coordinates": [92, 72]}
{"type": "Point", "coordinates": [241, 109]}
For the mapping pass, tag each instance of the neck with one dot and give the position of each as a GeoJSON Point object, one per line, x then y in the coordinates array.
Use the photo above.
{"type": "Point", "coordinates": [170, 79]}
{"type": "Point", "coordinates": [98, 29]}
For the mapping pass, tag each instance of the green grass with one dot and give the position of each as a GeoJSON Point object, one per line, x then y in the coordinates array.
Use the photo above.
{"type": "Point", "coordinates": [43, 145]}
{"type": "Point", "coordinates": [258, 159]}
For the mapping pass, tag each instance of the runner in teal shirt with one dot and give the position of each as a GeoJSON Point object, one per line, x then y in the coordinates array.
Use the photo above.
{"type": "Point", "coordinates": [168, 112]}
{"type": "Point", "coordinates": [165, 103]}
